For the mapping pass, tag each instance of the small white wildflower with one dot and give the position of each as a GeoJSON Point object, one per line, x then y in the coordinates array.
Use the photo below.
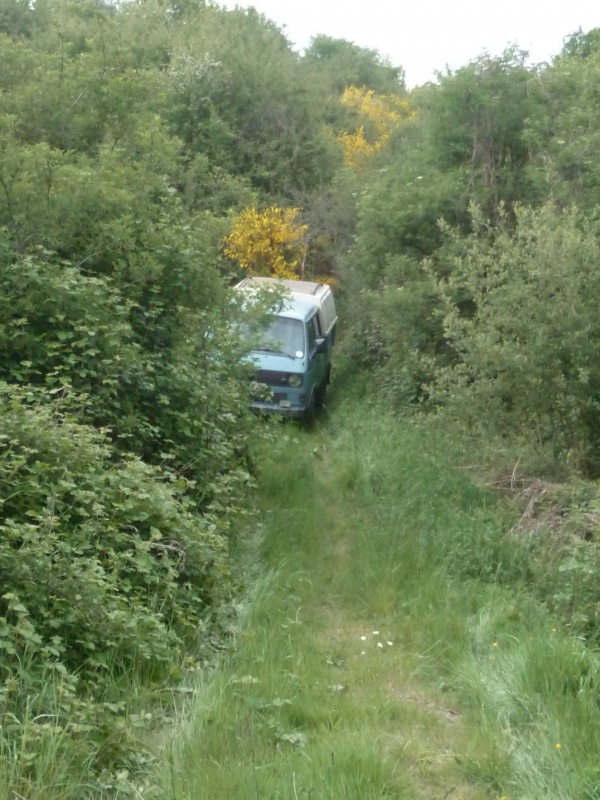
{"type": "Point", "coordinates": [379, 644]}
{"type": "Point", "coordinates": [363, 638]}
{"type": "Point", "coordinates": [390, 643]}
{"type": "Point", "coordinates": [375, 633]}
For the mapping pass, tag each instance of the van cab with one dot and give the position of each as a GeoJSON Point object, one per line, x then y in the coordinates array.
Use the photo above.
{"type": "Point", "coordinates": [293, 354]}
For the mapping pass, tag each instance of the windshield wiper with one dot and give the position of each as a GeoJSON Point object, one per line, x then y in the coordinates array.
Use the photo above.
{"type": "Point", "coordinates": [274, 351]}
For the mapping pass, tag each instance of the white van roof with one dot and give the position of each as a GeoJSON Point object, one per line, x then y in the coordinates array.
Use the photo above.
{"type": "Point", "coordinates": [319, 293]}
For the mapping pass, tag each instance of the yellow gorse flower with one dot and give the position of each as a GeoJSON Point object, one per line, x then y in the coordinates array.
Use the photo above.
{"type": "Point", "coordinates": [383, 113]}
{"type": "Point", "coordinates": [268, 242]}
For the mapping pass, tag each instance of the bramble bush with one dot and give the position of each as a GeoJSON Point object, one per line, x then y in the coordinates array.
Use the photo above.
{"type": "Point", "coordinates": [102, 563]}
{"type": "Point", "coordinates": [104, 569]}
{"type": "Point", "coordinates": [146, 372]}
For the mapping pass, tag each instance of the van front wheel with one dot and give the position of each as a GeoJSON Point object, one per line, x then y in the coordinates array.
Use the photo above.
{"type": "Point", "coordinates": [320, 393]}
{"type": "Point", "coordinates": [310, 411]}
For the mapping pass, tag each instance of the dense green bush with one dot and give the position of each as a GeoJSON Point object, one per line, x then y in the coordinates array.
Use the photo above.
{"type": "Point", "coordinates": [106, 576]}
{"type": "Point", "coordinates": [521, 317]}
{"type": "Point", "coordinates": [396, 340]}
{"type": "Point", "coordinates": [149, 372]}
{"type": "Point", "coordinates": [102, 563]}
{"type": "Point", "coordinates": [60, 327]}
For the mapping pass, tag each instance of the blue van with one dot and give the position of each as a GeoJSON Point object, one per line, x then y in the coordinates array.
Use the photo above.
{"type": "Point", "coordinates": [293, 353]}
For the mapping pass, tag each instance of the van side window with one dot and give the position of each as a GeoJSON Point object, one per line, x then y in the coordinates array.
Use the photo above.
{"type": "Point", "coordinates": [312, 334]}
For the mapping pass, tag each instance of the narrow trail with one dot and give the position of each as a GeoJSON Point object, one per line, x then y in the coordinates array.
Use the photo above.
{"type": "Point", "coordinates": [412, 724]}
{"type": "Point", "coordinates": [327, 692]}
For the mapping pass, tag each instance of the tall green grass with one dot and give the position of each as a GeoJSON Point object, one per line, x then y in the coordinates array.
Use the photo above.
{"type": "Point", "coordinates": [392, 647]}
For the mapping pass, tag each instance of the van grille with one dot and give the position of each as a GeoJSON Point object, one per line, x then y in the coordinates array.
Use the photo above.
{"type": "Point", "coordinates": [271, 377]}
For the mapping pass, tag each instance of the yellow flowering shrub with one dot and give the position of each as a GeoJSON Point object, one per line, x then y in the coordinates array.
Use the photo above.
{"type": "Point", "coordinates": [268, 242]}
{"type": "Point", "coordinates": [383, 113]}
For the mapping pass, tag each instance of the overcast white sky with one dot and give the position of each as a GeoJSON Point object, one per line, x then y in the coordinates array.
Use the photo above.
{"type": "Point", "coordinates": [426, 35]}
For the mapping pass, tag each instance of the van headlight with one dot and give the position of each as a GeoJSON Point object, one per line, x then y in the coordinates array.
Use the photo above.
{"type": "Point", "coordinates": [295, 380]}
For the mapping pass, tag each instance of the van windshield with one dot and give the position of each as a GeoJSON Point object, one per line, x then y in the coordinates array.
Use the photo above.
{"type": "Point", "coordinates": [283, 335]}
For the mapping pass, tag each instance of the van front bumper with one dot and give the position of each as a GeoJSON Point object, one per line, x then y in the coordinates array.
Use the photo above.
{"type": "Point", "coordinates": [281, 407]}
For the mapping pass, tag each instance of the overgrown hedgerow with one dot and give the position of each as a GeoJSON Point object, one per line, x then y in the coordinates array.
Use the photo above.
{"type": "Point", "coordinates": [104, 569]}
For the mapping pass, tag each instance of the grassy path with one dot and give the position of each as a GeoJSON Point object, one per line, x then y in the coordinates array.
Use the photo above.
{"type": "Point", "coordinates": [369, 662]}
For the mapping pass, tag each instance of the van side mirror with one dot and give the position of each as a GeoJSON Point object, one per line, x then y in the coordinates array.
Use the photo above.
{"type": "Point", "coordinates": [321, 345]}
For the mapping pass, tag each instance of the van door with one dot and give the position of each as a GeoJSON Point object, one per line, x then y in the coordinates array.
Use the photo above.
{"type": "Point", "coordinates": [317, 358]}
